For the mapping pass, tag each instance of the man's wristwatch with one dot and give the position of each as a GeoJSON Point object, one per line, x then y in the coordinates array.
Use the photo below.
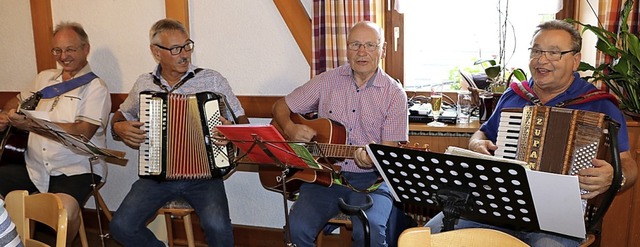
{"type": "Point", "coordinates": [624, 180]}
{"type": "Point", "coordinates": [115, 136]}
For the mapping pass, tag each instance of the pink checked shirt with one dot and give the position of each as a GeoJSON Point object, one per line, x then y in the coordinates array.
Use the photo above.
{"type": "Point", "coordinates": [375, 112]}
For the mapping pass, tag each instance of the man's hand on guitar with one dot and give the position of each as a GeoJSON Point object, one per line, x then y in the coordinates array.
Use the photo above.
{"type": "Point", "coordinates": [362, 159]}
{"type": "Point", "coordinates": [4, 121]}
{"type": "Point", "coordinates": [300, 133]}
{"type": "Point", "coordinates": [129, 132]}
{"type": "Point", "coordinates": [18, 120]}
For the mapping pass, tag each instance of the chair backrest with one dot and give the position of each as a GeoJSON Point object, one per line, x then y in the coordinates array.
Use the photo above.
{"type": "Point", "coordinates": [45, 208]}
{"type": "Point", "coordinates": [471, 237]}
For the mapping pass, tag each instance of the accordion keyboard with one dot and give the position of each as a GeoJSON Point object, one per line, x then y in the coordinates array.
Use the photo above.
{"type": "Point", "coordinates": [150, 150]}
{"type": "Point", "coordinates": [508, 135]}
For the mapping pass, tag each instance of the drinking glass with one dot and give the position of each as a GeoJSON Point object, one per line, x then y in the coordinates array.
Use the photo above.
{"type": "Point", "coordinates": [436, 109]}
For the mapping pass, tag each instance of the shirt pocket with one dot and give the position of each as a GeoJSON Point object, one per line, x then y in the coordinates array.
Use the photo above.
{"type": "Point", "coordinates": [66, 109]}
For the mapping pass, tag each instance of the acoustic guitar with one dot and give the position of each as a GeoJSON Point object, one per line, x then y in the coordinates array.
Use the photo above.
{"type": "Point", "coordinates": [331, 138]}
{"type": "Point", "coordinates": [14, 140]}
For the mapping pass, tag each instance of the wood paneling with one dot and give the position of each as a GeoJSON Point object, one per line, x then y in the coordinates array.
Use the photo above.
{"type": "Point", "coordinates": [42, 23]}
{"type": "Point", "coordinates": [299, 23]}
{"type": "Point", "coordinates": [394, 60]}
{"type": "Point", "coordinates": [254, 106]}
{"type": "Point", "coordinates": [620, 225]}
{"type": "Point", "coordinates": [439, 138]}
{"type": "Point", "coordinates": [178, 10]}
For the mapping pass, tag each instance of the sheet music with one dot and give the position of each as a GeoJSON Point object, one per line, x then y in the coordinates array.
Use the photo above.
{"type": "Point", "coordinates": [43, 125]}
{"type": "Point", "coordinates": [471, 154]}
{"type": "Point", "coordinates": [559, 210]}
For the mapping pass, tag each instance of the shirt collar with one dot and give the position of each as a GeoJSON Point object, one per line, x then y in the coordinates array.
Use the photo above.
{"type": "Point", "coordinates": [373, 81]}
{"type": "Point", "coordinates": [567, 94]}
{"type": "Point", "coordinates": [158, 70]}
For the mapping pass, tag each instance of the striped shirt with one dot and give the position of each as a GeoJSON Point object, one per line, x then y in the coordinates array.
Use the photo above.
{"type": "Point", "coordinates": [374, 112]}
{"type": "Point", "coordinates": [8, 233]}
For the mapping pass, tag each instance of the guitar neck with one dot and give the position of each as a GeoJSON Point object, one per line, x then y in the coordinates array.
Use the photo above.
{"type": "Point", "coordinates": [332, 150]}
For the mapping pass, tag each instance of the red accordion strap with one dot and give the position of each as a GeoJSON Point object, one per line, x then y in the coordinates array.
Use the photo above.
{"type": "Point", "coordinates": [523, 90]}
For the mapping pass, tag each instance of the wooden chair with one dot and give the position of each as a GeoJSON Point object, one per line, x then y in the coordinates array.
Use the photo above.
{"type": "Point", "coordinates": [471, 237]}
{"type": "Point", "coordinates": [591, 238]}
{"type": "Point", "coordinates": [45, 208]}
{"type": "Point", "coordinates": [178, 209]}
{"type": "Point", "coordinates": [346, 229]}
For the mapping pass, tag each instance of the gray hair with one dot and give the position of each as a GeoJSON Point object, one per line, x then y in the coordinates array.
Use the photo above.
{"type": "Point", "coordinates": [165, 25]}
{"type": "Point", "coordinates": [576, 39]}
{"type": "Point", "coordinates": [76, 27]}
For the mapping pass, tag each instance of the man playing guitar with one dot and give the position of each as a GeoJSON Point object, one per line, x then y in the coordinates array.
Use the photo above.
{"type": "Point", "coordinates": [372, 107]}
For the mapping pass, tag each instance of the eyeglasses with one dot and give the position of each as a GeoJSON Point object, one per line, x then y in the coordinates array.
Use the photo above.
{"type": "Point", "coordinates": [70, 49]}
{"type": "Point", "coordinates": [369, 46]}
{"type": "Point", "coordinates": [550, 55]}
{"type": "Point", "coordinates": [175, 50]}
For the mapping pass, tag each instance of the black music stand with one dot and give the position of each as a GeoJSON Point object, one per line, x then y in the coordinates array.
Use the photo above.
{"type": "Point", "coordinates": [82, 145]}
{"type": "Point", "coordinates": [491, 192]}
{"type": "Point", "coordinates": [264, 145]}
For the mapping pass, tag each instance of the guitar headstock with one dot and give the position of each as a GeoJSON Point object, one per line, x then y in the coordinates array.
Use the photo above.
{"type": "Point", "coordinates": [415, 146]}
{"type": "Point", "coordinates": [30, 103]}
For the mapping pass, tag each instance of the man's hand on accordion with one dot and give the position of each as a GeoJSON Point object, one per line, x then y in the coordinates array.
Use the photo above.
{"type": "Point", "coordinates": [218, 137]}
{"type": "Point", "coordinates": [129, 132]}
{"type": "Point", "coordinates": [597, 179]}
{"type": "Point", "coordinates": [482, 146]}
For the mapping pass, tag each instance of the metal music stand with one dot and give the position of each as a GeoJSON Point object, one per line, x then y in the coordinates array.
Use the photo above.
{"type": "Point", "coordinates": [264, 145]}
{"type": "Point", "coordinates": [82, 145]}
{"type": "Point", "coordinates": [491, 192]}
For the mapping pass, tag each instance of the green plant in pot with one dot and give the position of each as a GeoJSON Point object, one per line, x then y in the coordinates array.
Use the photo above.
{"type": "Point", "coordinates": [622, 74]}
{"type": "Point", "coordinates": [499, 76]}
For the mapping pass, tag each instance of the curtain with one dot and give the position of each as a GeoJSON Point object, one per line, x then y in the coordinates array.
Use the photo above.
{"type": "Point", "coordinates": [609, 12]}
{"type": "Point", "coordinates": [331, 22]}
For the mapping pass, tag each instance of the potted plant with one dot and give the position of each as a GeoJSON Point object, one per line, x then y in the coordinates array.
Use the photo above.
{"type": "Point", "coordinates": [499, 76]}
{"type": "Point", "coordinates": [622, 74]}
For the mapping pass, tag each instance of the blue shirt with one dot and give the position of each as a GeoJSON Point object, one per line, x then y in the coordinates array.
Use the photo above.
{"type": "Point", "coordinates": [579, 86]}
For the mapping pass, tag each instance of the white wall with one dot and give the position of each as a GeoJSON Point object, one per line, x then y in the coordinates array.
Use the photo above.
{"type": "Point", "coordinates": [18, 63]}
{"type": "Point", "coordinates": [246, 40]}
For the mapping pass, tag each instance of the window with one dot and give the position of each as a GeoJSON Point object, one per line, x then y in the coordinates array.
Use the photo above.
{"type": "Point", "coordinates": [441, 37]}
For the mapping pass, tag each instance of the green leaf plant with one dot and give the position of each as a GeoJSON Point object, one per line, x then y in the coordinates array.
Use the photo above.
{"type": "Point", "coordinates": [499, 76]}
{"type": "Point", "coordinates": [622, 74]}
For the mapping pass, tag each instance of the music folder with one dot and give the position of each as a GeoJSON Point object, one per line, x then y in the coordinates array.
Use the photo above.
{"type": "Point", "coordinates": [499, 193]}
{"type": "Point", "coordinates": [263, 144]}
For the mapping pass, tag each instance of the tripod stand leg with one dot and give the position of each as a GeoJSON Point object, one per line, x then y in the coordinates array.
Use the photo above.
{"type": "Point", "coordinates": [99, 203]}
{"type": "Point", "coordinates": [287, 230]}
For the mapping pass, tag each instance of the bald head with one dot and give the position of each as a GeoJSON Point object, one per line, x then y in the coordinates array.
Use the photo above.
{"type": "Point", "coordinates": [368, 25]}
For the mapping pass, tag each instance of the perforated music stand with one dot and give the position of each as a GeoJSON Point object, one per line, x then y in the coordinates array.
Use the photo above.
{"type": "Point", "coordinates": [80, 144]}
{"type": "Point", "coordinates": [490, 192]}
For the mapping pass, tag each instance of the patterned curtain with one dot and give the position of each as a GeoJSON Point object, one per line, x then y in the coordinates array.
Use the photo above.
{"type": "Point", "coordinates": [609, 12]}
{"type": "Point", "coordinates": [331, 22]}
